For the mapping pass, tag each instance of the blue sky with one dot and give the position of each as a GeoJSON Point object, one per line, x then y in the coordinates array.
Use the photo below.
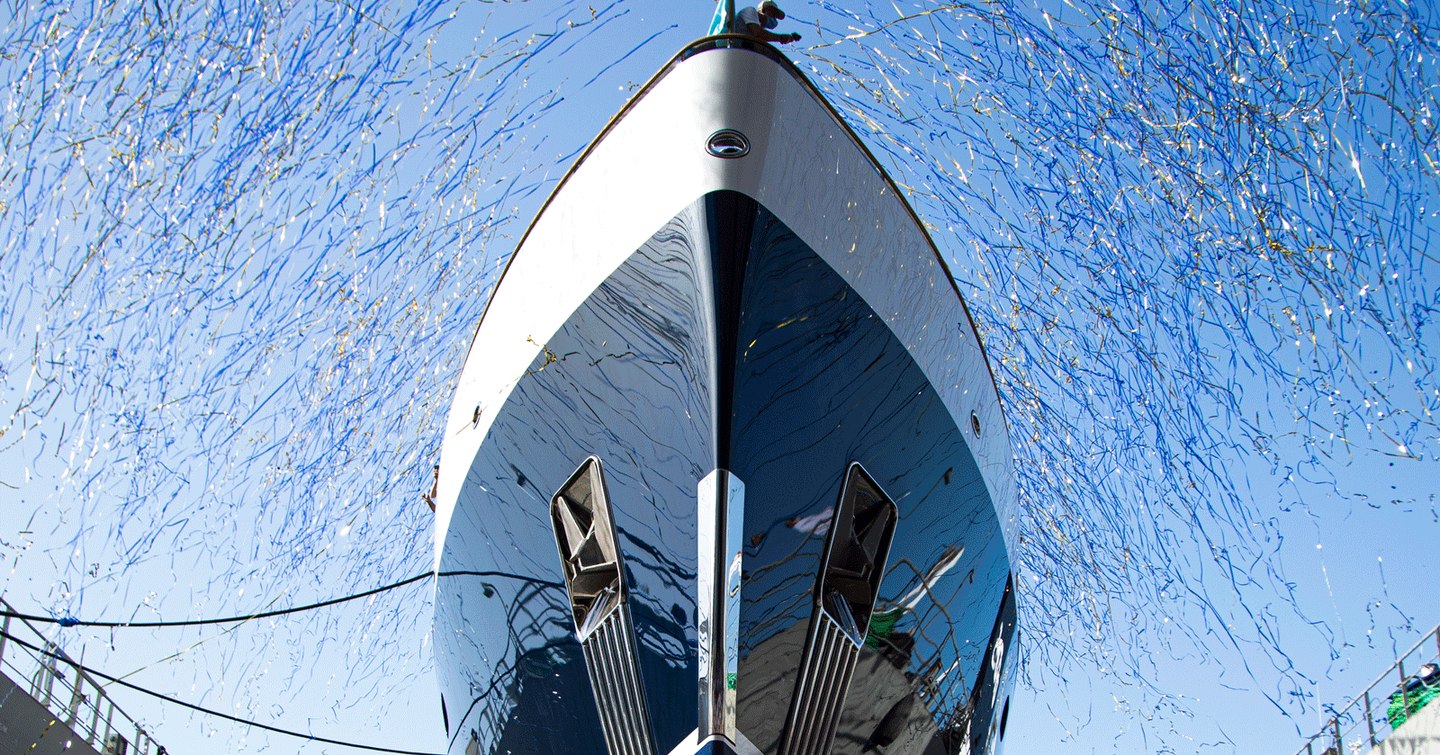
{"type": "Point", "coordinates": [244, 251]}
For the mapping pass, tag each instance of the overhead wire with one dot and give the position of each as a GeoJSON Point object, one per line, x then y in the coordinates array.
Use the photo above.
{"type": "Point", "coordinates": [70, 621]}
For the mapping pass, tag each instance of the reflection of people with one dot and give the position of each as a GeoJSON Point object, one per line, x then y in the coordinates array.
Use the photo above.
{"type": "Point", "coordinates": [758, 20]}
{"type": "Point", "coordinates": [814, 524]}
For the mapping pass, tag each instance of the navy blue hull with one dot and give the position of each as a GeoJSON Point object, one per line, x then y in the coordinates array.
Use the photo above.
{"type": "Point", "coordinates": [724, 342]}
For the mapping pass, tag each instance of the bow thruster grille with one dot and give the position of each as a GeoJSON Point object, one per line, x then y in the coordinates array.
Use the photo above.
{"type": "Point", "coordinates": [594, 579]}
{"type": "Point", "coordinates": [845, 595]}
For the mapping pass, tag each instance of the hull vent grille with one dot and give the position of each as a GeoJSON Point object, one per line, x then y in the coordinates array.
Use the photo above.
{"type": "Point", "coordinates": [845, 594]}
{"type": "Point", "coordinates": [615, 678]}
{"type": "Point", "coordinates": [820, 690]}
{"type": "Point", "coordinates": [594, 579]}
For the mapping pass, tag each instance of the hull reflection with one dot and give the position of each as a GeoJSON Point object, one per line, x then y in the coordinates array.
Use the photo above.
{"type": "Point", "coordinates": [726, 471]}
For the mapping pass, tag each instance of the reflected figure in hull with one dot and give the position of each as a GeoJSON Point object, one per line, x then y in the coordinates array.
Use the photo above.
{"type": "Point", "coordinates": [726, 470]}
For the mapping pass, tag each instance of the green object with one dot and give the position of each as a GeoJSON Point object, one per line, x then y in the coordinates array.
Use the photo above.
{"type": "Point", "coordinates": [882, 625]}
{"type": "Point", "coordinates": [1402, 708]}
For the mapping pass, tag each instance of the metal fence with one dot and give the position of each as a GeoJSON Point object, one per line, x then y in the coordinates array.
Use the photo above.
{"type": "Point", "coordinates": [70, 694]}
{"type": "Point", "coordinates": [1365, 722]}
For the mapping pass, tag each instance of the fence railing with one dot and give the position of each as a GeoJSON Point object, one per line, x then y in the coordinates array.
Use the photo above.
{"type": "Point", "coordinates": [70, 694]}
{"type": "Point", "coordinates": [1366, 721]}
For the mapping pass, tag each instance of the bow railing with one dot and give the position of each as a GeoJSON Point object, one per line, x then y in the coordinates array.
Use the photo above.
{"type": "Point", "coordinates": [71, 695]}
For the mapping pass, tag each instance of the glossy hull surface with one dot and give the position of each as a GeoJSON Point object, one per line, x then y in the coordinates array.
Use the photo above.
{"type": "Point", "coordinates": [745, 336]}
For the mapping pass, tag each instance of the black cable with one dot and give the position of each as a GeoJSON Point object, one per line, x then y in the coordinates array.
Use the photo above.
{"type": "Point", "coordinates": [70, 621]}
{"type": "Point", "coordinates": [100, 674]}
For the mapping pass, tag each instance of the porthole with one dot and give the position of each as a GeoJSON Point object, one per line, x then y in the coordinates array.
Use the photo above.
{"type": "Point", "coordinates": [975, 424]}
{"type": "Point", "coordinates": [728, 144]}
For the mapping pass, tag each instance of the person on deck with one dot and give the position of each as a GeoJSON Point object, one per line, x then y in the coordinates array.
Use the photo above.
{"type": "Point", "coordinates": [758, 20]}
